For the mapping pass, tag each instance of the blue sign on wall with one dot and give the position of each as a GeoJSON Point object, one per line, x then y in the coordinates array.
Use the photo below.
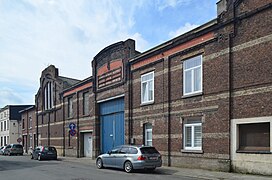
{"type": "Point", "coordinates": [72, 126]}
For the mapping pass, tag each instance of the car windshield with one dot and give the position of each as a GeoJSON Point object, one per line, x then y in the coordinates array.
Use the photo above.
{"type": "Point", "coordinates": [148, 150]}
{"type": "Point", "coordinates": [51, 149]}
{"type": "Point", "coordinates": [17, 146]}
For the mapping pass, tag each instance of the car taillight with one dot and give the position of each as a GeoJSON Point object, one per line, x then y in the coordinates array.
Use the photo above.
{"type": "Point", "coordinates": [141, 158]}
{"type": "Point", "coordinates": [11, 149]}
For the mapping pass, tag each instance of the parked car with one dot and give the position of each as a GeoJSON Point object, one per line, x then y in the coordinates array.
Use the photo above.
{"type": "Point", "coordinates": [2, 149]}
{"type": "Point", "coordinates": [13, 149]}
{"type": "Point", "coordinates": [44, 152]}
{"type": "Point", "coordinates": [130, 157]}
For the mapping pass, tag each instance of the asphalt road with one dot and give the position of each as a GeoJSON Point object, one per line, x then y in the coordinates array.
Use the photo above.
{"type": "Point", "coordinates": [23, 168]}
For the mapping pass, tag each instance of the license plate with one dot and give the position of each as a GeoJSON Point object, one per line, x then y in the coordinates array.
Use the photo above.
{"type": "Point", "coordinates": [153, 158]}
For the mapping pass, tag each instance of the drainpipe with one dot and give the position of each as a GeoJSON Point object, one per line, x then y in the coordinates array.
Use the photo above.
{"type": "Point", "coordinates": [63, 127]}
{"type": "Point", "coordinates": [48, 134]}
{"type": "Point", "coordinates": [168, 111]}
{"type": "Point", "coordinates": [231, 36]}
{"type": "Point", "coordinates": [77, 97]}
{"type": "Point", "coordinates": [37, 124]}
{"type": "Point", "coordinates": [130, 131]}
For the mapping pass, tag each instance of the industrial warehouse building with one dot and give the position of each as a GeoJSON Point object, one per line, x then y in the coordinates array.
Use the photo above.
{"type": "Point", "coordinates": [203, 99]}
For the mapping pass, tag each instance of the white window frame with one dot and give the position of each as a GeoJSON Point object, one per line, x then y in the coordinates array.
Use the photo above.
{"type": "Point", "coordinates": [192, 79]}
{"type": "Point", "coordinates": [147, 81]}
{"type": "Point", "coordinates": [148, 142]}
{"type": "Point", "coordinates": [192, 147]}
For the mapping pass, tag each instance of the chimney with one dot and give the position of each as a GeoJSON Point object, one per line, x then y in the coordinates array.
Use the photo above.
{"type": "Point", "coordinates": [221, 7]}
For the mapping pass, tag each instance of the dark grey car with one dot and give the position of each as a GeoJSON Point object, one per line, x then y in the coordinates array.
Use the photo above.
{"type": "Point", "coordinates": [13, 149]}
{"type": "Point", "coordinates": [129, 157]}
{"type": "Point", "coordinates": [44, 152]}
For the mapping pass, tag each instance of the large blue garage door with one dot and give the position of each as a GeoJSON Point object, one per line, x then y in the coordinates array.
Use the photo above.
{"type": "Point", "coordinates": [112, 124]}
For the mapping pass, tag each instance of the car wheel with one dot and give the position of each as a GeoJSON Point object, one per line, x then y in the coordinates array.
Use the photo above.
{"type": "Point", "coordinates": [39, 158]}
{"type": "Point", "coordinates": [99, 163]}
{"type": "Point", "coordinates": [128, 167]}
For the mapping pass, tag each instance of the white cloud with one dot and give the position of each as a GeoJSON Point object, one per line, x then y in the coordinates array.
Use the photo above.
{"type": "Point", "coordinates": [68, 34]}
{"type": "Point", "coordinates": [10, 96]}
{"type": "Point", "coordinates": [183, 29]}
{"type": "Point", "coordinates": [163, 4]}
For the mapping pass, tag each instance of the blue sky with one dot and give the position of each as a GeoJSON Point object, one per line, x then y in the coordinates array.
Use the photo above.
{"type": "Point", "coordinates": [69, 33]}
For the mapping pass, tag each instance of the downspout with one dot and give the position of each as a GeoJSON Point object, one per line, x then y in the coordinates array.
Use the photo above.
{"type": "Point", "coordinates": [27, 131]}
{"type": "Point", "coordinates": [77, 96]}
{"type": "Point", "coordinates": [63, 120]}
{"type": "Point", "coordinates": [48, 134]}
{"type": "Point", "coordinates": [168, 113]}
{"type": "Point", "coordinates": [231, 36]}
{"type": "Point", "coordinates": [37, 125]}
{"type": "Point", "coordinates": [130, 105]}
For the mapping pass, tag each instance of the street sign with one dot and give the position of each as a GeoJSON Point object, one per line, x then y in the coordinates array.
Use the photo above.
{"type": "Point", "coordinates": [19, 140]}
{"type": "Point", "coordinates": [72, 126]}
{"type": "Point", "coordinates": [72, 132]}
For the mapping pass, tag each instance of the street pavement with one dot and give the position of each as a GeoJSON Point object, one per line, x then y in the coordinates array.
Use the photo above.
{"type": "Point", "coordinates": [69, 168]}
{"type": "Point", "coordinates": [186, 172]}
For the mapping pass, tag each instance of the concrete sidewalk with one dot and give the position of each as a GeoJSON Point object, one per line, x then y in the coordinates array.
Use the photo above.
{"type": "Point", "coordinates": [185, 172]}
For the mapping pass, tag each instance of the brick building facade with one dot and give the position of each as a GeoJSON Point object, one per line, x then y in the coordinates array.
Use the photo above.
{"type": "Point", "coordinates": [29, 130]}
{"type": "Point", "coordinates": [202, 98]}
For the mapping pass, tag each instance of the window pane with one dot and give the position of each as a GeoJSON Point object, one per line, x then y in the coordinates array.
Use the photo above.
{"type": "Point", "coordinates": [149, 135]}
{"type": "Point", "coordinates": [147, 77]}
{"type": "Point", "coordinates": [254, 137]}
{"type": "Point", "coordinates": [188, 136]}
{"type": "Point", "coordinates": [197, 79]}
{"type": "Point", "coordinates": [188, 81]}
{"type": "Point", "coordinates": [198, 137]}
{"type": "Point", "coordinates": [193, 62]}
{"type": "Point", "coordinates": [150, 90]}
{"type": "Point", "coordinates": [144, 92]}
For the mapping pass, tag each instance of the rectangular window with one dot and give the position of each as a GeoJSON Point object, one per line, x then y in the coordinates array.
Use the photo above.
{"type": "Point", "coordinates": [30, 122]}
{"type": "Point", "coordinates": [147, 88]}
{"type": "Point", "coordinates": [70, 107]}
{"type": "Point", "coordinates": [30, 140]}
{"type": "Point", "coordinates": [2, 144]}
{"type": "Point", "coordinates": [148, 134]}
{"type": "Point", "coordinates": [192, 76]}
{"type": "Point", "coordinates": [254, 137]}
{"type": "Point", "coordinates": [193, 135]}
{"type": "Point", "coordinates": [5, 125]}
{"type": "Point", "coordinates": [85, 103]}
{"type": "Point", "coordinates": [23, 124]}
{"type": "Point", "coordinates": [5, 140]}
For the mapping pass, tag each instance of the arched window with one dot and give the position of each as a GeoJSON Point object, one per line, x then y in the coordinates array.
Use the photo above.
{"type": "Point", "coordinates": [48, 96]}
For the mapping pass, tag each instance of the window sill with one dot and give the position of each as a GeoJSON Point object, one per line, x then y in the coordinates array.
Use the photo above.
{"type": "Point", "coordinates": [147, 103]}
{"type": "Point", "coordinates": [253, 152]}
{"type": "Point", "coordinates": [192, 151]}
{"type": "Point", "coordinates": [192, 95]}
{"type": "Point", "coordinates": [85, 115]}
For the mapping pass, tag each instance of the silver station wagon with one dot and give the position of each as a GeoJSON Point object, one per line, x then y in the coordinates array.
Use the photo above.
{"type": "Point", "coordinates": [130, 157]}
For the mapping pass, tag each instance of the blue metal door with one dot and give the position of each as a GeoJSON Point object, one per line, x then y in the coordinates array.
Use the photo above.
{"type": "Point", "coordinates": [112, 124]}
